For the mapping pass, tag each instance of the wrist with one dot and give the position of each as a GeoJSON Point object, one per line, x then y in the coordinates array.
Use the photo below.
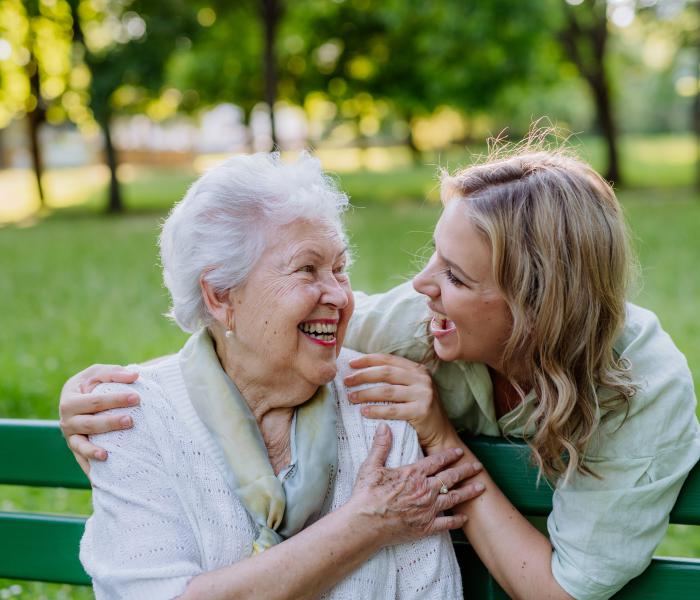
{"type": "Point", "coordinates": [441, 440]}
{"type": "Point", "coordinates": [360, 522]}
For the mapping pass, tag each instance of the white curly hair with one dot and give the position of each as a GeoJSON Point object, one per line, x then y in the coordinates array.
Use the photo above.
{"type": "Point", "coordinates": [221, 227]}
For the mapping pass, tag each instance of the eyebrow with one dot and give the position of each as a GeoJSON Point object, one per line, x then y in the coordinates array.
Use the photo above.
{"type": "Point", "coordinates": [315, 254]}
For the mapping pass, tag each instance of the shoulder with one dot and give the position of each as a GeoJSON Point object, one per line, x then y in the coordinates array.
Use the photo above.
{"type": "Point", "coordinates": [661, 413]}
{"type": "Point", "coordinates": [393, 322]}
{"type": "Point", "coordinates": [657, 366]}
{"type": "Point", "coordinates": [155, 406]}
{"type": "Point", "coordinates": [359, 431]}
{"type": "Point", "coordinates": [150, 385]}
{"type": "Point", "coordinates": [643, 339]}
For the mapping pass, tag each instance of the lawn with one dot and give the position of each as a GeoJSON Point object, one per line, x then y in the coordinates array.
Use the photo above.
{"type": "Point", "coordinates": [78, 287]}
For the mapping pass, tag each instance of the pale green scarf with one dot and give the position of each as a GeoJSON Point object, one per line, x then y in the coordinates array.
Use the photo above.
{"type": "Point", "coordinates": [279, 508]}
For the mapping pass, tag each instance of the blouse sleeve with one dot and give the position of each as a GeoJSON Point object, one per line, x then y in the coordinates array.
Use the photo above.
{"type": "Point", "coordinates": [137, 543]}
{"type": "Point", "coordinates": [604, 532]}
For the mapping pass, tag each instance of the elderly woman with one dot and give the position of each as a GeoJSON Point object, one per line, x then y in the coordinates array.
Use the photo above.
{"type": "Point", "coordinates": [237, 476]}
{"type": "Point", "coordinates": [523, 309]}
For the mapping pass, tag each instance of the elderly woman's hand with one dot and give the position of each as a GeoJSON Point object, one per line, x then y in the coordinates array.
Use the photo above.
{"type": "Point", "coordinates": [79, 408]}
{"type": "Point", "coordinates": [409, 391]}
{"type": "Point", "coordinates": [406, 503]}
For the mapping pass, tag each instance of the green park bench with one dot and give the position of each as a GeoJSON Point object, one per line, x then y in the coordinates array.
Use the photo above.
{"type": "Point", "coordinates": [43, 547]}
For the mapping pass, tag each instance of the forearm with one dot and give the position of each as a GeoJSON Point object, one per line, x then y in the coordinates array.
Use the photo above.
{"type": "Point", "coordinates": [512, 549]}
{"type": "Point", "coordinates": [304, 566]}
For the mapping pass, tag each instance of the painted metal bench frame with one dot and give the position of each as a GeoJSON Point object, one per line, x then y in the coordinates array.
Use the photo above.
{"type": "Point", "coordinates": [43, 547]}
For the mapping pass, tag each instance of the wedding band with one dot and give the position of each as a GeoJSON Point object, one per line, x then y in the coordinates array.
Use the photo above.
{"type": "Point", "coordinates": [443, 489]}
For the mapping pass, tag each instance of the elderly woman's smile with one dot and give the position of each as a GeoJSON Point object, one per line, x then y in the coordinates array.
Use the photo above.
{"type": "Point", "coordinates": [320, 331]}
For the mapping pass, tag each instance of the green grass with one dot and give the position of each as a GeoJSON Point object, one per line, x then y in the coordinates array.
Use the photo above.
{"type": "Point", "coordinates": [79, 287]}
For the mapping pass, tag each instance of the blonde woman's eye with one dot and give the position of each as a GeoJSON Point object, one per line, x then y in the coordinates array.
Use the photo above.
{"type": "Point", "coordinates": [452, 279]}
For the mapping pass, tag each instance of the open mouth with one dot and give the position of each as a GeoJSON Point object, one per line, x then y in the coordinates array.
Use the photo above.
{"type": "Point", "coordinates": [440, 324]}
{"type": "Point", "coordinates": [320, 331]}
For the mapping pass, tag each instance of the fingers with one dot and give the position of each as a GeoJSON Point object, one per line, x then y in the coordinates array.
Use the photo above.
{"type": "Point", "coordinates": [448, 522]}
{"type": "Point", "coordinates": [436, 462]}
{"type": "Point", "coordinates": [381, 374]}
{"type": "Point", "coordinates": [459, 495]}
{"type": "Point", "coordinates": [107, 374]}
{"type": "Point", "coordinates": [381, 393]}
{"type": "Point", "coordinates": [381, 445]}
{"type": "Point", "coordinates": [452, 476]}
{"type": "Point", "coordinates": [373, 360]}
{"type": "Point", "coordinates": [84, 450]}
{"type": "Point", "coordinates": [88, 404]}
{"type": "Point", "coordinates": [398, 412]}
{"type": "Point", "coordinates": [92, 424]}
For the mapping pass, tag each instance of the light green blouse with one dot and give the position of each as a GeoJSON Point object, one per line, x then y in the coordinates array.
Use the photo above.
{"type": "Point", "coordinates": [603, 531]}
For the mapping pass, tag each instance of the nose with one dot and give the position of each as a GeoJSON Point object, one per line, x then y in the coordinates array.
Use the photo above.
{"type": "Point", "coordinates": [425, 283]}
{"type": "Point", "coordinates": [333, 293]}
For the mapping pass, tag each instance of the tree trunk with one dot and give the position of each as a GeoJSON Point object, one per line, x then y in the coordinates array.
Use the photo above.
{"type": "Point", "coordinates": [608, 128]}
{"type": "Point", "coordinates": [115, 203]}
{"type": "Point", "coordinates": [4, 152]}
{"type": "Point", "coordinates": [585, 40]}
{"type": "Point", "coordinates": [271, 12]}
{"type": "Point", "coordinates": [35, 118]}
{"type": "Point", "coordinates": [416, 152]}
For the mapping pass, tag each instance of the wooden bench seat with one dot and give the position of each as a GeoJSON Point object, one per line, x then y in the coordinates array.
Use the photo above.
{"type": "Point", "coordinates": [44, 547]}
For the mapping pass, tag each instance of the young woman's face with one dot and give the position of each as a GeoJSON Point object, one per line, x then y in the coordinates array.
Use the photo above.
{"type": "Point", "coordinates": [471, 320]}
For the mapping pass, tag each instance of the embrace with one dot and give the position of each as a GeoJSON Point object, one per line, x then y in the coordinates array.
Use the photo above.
{"type": "Point", "coordinates": [304, 441]}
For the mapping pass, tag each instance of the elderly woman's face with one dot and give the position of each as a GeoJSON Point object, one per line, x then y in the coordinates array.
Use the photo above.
{"type": "Point", "coordinates": [294, 308]}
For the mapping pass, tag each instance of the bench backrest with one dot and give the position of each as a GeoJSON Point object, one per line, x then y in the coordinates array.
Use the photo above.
{"type": "Point", "coordinates": [45, 547]}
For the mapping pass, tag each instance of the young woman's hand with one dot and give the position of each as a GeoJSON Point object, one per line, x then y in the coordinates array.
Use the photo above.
{"type": "Point", "coordinates": [79, 410]}
{"type": "Point", "coordinates": [406, 503]}
{"type": "Point", "coordinates": [408, 391]}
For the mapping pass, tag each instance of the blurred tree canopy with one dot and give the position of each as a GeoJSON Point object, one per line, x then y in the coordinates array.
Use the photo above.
{"type": "Point", "coordinates": [378, 70]}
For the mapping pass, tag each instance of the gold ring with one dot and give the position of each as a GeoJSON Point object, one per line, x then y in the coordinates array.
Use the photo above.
{"type": "Point", "coordinates": [443, 489]}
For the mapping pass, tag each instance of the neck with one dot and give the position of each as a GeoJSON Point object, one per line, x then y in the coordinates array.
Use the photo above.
{"type": "Point", "coordinates": [505, 395]}
{"type": "Point", "coordinates": [271, 397]}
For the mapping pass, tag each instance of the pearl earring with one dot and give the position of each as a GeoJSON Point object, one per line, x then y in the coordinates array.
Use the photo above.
{"type": "Point", "coordinates": [228, 333]}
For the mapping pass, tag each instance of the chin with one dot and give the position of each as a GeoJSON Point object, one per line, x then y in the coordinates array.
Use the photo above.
{"type": "Point", "coordinates": [325, 372]}
{"type": "Point", "coordinates": [444, 354]}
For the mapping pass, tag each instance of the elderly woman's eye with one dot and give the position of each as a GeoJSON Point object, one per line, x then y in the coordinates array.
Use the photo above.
{"type": "Point", "coordinates": [340, 269]}
{"type": "Point", "coordinates": [308, 269]}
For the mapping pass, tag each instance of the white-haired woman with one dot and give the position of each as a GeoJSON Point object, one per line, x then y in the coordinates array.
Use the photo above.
{"type": "Point", "coordinates": [523, 306]}
{"type": "Point", "coordinates": [247, 473]}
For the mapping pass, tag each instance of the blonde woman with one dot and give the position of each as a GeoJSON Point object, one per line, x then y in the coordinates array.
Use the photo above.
{"type": "Point", "coordinates": [522, 306]}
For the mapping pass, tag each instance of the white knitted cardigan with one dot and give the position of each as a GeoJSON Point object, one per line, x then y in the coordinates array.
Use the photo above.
{"type": "Point", "coordinates": [164, 512]}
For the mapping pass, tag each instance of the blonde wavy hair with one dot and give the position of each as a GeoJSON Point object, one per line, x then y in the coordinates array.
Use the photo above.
{"type": "Point", "coordinates": [563, 261]}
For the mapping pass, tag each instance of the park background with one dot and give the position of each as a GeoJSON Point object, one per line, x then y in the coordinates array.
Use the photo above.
{"type": "Point", "coordinates": [110, 108]}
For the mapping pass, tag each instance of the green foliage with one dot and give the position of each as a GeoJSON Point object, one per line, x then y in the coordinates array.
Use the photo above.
{"type": "Point", "coordinates": [418, 55]}
{"type": "Point", "coordinates": [137, 53]}
{"type": "Point", "coordinates": [222, 62]}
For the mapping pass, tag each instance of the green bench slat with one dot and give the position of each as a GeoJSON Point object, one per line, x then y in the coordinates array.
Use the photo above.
{"type": "Point", "coordinates": [664, 579]}
{"type": "Point", "coordinates": [509, 466]}
{"type": "Point", "coordinates": [39, 454]}
{"type": "Point", "coordinates": [41, 548]}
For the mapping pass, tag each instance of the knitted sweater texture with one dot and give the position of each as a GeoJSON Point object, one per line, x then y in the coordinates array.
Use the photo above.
{"type": "Point", "coordinates": [164, 512]}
